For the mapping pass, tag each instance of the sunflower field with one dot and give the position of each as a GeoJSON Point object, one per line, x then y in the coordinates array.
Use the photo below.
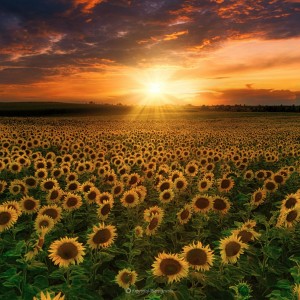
{"type": "Point", "coordinates": [155, 209]}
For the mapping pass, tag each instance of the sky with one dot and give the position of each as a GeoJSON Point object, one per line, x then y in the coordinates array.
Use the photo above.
{"type": "Point", "coordinates": [203, 52]}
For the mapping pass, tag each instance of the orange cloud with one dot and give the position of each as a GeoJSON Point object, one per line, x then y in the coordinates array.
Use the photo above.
{"type": "Point", "coordinates": [175, 35]}
{"type": "Point", "coordinates": [87, 5]}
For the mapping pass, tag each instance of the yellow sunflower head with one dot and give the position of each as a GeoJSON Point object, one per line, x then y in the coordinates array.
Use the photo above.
{"type": "Point", "coordinates": [204, 184]}
{"type": "Point", "coordinates": [225, 184]}
{"type": "Point", "coordinates": [54, 195]}
{"type": "Point", "coordinates": [170, 266]}
{"type": "Point", "coordinates": [154, 224]}
{"type": "Point", "coordinates": [8, 216]}
{"type": "Point", "coordinates": [231, 249]}
{"type": "Point", "coordinates": [130, 198]}
{"type": "Point", "coordinates": [66, 251]}
{"type": "Point", "coordinates": [3, 185]}
{"type": "Point", "coordinates": [48, 296]}
{"type": "Point", "coordinates": [92, 195]}
{"type": "Point", "coordinates": [53, 211]}
{"type": "Point", "coordinates": [138, 231]}
{"type": "Point", "coordinates": [104, 209]}
{"type": "Point", "coordinates": [29, 205]}
{"type": "Point", "coordinates": [166, 196]}
{"type": "Point", "coordinates": [221, 204]}
{"type": "Point", "coordinates": [246, 234]}
{"type": "Point", "coordinates": [43, 223]}
{"type": "Point", "coordinates": [202, 203]}
{"type": "Point", "coordinates": [48, 184]}
{"type": "Point", "coordinates": [258, 197]}
{"type": "Point", "coordinates": [14, 205]}
{"type": "Point", "coordinates": [102, 236]}
{"type": "Point", "coordinates": [270, 185]}
{"type": "Point", "coordinates": [185, 214]}
{"type": "Point", "coordinates": [126, 278]}
{"type": "Point", "coordinates": [72, 201]}
{"type": "Point", "coordinates": [199, 257]}
{"type": "Point", "coordinates": [151, 211]}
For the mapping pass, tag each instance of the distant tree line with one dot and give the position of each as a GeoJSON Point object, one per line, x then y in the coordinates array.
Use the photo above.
{"type": "Point", "coordinates": [248, 108]}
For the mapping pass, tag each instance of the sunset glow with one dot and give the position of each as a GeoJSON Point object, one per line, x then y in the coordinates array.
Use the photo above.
{"type": "Point", "coordinates": [197, 52]}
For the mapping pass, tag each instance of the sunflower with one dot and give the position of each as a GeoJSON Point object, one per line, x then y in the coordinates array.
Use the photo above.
{"type": "Point", "coordinates": [270, 185]}
{"type": "Point", "coordinates": [104, 197]}
{"type": "Point", "coordinates": [221, 204]}
{"type": "Point", "coordinates": [53, 211]}
{"type": "Point", "coordinates": [165, 185]}
{"type": "Point", "coordinates": [231, 249]}
{"type": "Point", "coordinates": [289, 217]}
{"type": "Point", "coordinates": [249, 175]}
{"type": "Point", "coordinates": [198, 256]}
{"type": "Point", "coordinates": [154, 210]}
{"type": "Point", "coordinates": [102, 236]}
{"type": "Point", "coordinates": [66, 251]}
{"type": "Point", "coordinates": [15, 167]}
{"type": "Point", "coordinates": [171, 266]}
{"type": "Point", "coordinates": [290, 201]}
{"type": "Point", "coordinates": [133, 179]}
{"type": "Point", "coordinates": [166, 196]}
{"type": "Point", "coordinates": [86, 186]}
{"type": "Point", "coordinates": [175, 174]}
{"type": "Point", "coordinates": [57, 173]}
{"type": "Point", "coordinates": [185, 214]}
{"type": "Point", "coordinates": [153, 225]}
{"type": "Point", "coordinates": [47, 296]}
{"type": "Point", "coordinates": [225, 184]}
{"type": "Point", "coordinates": [249, 224]}
{"type": "Point", "coordinates": [41, 173]}
{"type": "Point", "coordinates": [14, 205]}
{"type": "Point", "coordinates": [29, 205]}
{"type": "Point", "coordinates": [191, 169]}
{"type": "Point", "coordinates": [117, 189]}
{"type": "Point", "coordinates": [73, 186]}
{"type": "Point", "coordinates": [15, 188]}
{"type": "Point", "coordinates": [130, 199]}
{"type": "Point", "coordinates": [43, 223]}
{"type": "Point", "coordinates": [31, 182]}
{"type": "Point", "coordinates": [204, 184]}
{"type": "Point", "coordinates": [3, 185]}
{"type": "Point", "coordinates": [142, 192]}
{"type": "Point", "coordinates": [258, 197]}
{"type": "Point", "coordinates": [71, 201]}
{"type": "Point", "coordinates": [71, 177]}
{"type": "Point", "coordinates": [246, 235]}
{"type": "Point", "coordinates": [104, 209]}
{"type": "Point", "coordinates": [202, 203]}
{"type": "Point", "coordinates": [48, 184]}
{"type": "Point", "coordinates": [8, 216]}
{"type": "Point", "coordinates": [278, 178]}
{"type": "Point", "coordinates": [180, 183]}
{"type": "Point", "coordinates": [92, 195]}
{"type": "Point", "coordinates": [54, 195]}
{"type": "Point", "coordinates": [111, 178]}
{"type": "Point", "coordinates": [260, 174]}
{"type": "Point", "coordinates": [126, 278]}
{"type": "Point", "coordinates": [138, 231]}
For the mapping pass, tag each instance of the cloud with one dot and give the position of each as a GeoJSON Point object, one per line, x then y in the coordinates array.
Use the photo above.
{"type": "Point", "coordinates": [175, 35]}
{"type": "Point", "coordinates": [249, 96]}
{"type": "Point", "coordinates": [66, 37]}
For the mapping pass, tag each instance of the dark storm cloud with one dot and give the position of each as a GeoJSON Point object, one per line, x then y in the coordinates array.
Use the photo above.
{"type": "Point", "coordinates": [64, 33]}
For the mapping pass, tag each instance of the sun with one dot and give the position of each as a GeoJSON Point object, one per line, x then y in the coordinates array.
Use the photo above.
{"type": "Point", "coordinates": [154, 88]}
